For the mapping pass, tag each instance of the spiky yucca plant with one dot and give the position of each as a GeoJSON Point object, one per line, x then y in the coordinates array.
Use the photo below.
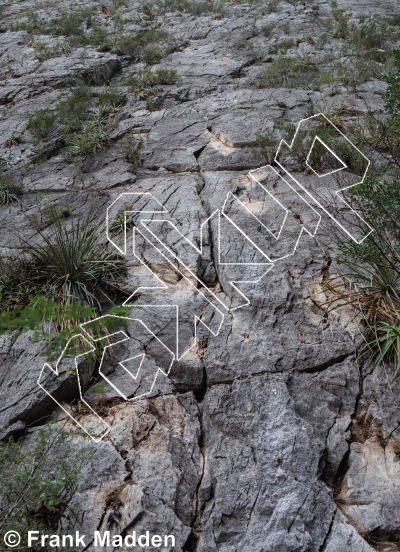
{"type": "Point", "coordinates": [374, 291]}
{"type": "Point", "coordinates": [73, 264]}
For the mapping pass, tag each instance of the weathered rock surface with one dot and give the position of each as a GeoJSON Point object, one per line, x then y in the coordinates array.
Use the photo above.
{"type": "Point", "coordinates": [267, 437]}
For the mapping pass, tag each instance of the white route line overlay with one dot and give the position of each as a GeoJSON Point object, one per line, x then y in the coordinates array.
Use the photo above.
{"type": "Point", "coordinates": [162, 210]}
{"type": "Point", "coordinates": [164, 286]}
{"type": "Point", "coordinates": [290, 146]}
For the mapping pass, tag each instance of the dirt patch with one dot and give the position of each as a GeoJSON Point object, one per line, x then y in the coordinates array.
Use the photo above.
{"type": "Point", "coordinates": [384, 541]}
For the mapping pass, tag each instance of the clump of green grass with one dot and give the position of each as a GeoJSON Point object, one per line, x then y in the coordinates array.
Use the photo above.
{"type": "Point", "coordinates": [282, 46]}
{"type": "Point", "coordinates": [195, 8]}
{"type": "Point", "coordinates": [119, 3]}
{"type": "Point", "coordinates": [69, 23]}
{"type": "Point", "coordinates": [71, 111]}
{"type": "Point", "coordinates": [240, 43]}
{"type": "Point", "coordinates": [49, 214]}
{"type": "Point", "coordinates": [371, 35]}
{"type": "Point", "coordinates": [53, 212]}
{"type": "Point", "coordinates": [10, 190]}
{"type": "Point", "coordinates": [31, 25]}
{"type": "Point", "coordinates": [111, 98]}
{"type": "Point", "coordinates": [394, 19]}
{"type": "Point", "coordinates": [122, 221]}
{"type": "Point", "coordinates": [154, 103]}
{"type": "Point", "coordinates": [13, 140]}
{"type": "Point", "coordinates": [71, 264]}
{"type": "Point", "coordinates": [385, 344]}
{"type": "Point", "coordinates": [93, 137]}
{"type": "Point", "coordinates": [374, 292]}
{"type": "Point", "coordinates": [135, 46]}
{"type": "Point", "coordinates": [130, 147]}
{"type": "Point", "coordinates": [337, 23]}
{"type": "Point", "coordinates": [145, 78]}
{"type": "Point", "coordinates": [44, 52]}
{"type": "Point", "coordinates": [83, 135]}
{"type": "Point", "coordinates": [41, 123]}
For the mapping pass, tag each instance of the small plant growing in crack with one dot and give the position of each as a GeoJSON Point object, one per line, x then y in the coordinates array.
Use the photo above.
{"type": "Point", "coordinates": [121, 221]}
{"type": "Point", "coordinates": [40, 123]}
{"type": "Point", "coordinates": [130, 147]}
{"type": "Point", "coordinates": [10, 189]}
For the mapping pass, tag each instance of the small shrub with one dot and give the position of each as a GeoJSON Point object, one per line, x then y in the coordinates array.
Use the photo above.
{"type": "Point", "coordinates": [41, 123]}
{"type": "Point", "coordinates": [284, 45]}
{"type": "Point", "coordinates": [44, 150]}
{"type": "Point", "coordinates": [272, 5]}
{"type": "Point", "coordinates": [111, 98]}
{"type": "Point", "coordinates": [53, 212]}
{"type": "Point", "coordinates": [37, 484]}
{"type": "Point", "coordinates": [130, 148]}
{"type": "Point", "coordinates": [152, 54]}
{"type": "Point", "coordinates": [267, 30]}
{"type": "Point", "coordinates": [97, 36]}
{"type": "Point", "coordinates": [240, 43]}
{"type": "Point", "coordinates": [68, 23]}
{"type": "Point", "coordinates": [166, 76]}
{"type": "Point", "coordinates": [286, 72]}
{"type": "Point", "coordinates": [147, 11]}
{"type": "Point", "coordinates": [135, 46]}
{"type": "Point", "coordinates": [71, 111]}
{"type": "Point", "coordinates": [99, 388]}
{"type": "Point", "coordinates": [337, 23]}
{"type": "Point", "coordinates": [349, 72]}
{"type": "Point", "coordinates": [10, 190]}
{"type": "Point", "coordinates": [267, 145]}
{"type": "Point", "coordinates": [256, 56]}
{"type": "Point", "coordinates": [394, 19]}
{"type": "Point", "coordinates": [371, 36]}
{"type": "Point", "coordinates": [153, 104]}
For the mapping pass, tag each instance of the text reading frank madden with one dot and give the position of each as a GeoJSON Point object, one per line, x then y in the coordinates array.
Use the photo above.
{"type": "Point", "coordinates": [131, 540]}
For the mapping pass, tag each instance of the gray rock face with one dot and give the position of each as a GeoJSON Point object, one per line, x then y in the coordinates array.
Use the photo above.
{"type": "Point", "coordinates": [256, 430]}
